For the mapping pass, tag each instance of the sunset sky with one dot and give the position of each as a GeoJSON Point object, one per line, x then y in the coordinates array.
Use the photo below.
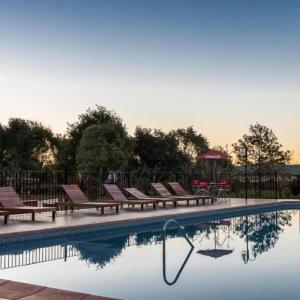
{"type": "Point", "coordinates": [218, 65]}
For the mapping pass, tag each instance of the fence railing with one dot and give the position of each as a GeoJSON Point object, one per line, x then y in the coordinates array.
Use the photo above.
{"type": "Point", "coordinates": [45, 186]}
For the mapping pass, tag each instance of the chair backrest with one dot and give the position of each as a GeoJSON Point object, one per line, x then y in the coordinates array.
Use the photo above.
{"type": "Point", "coordinates": [161, 190]}
{"type": "Point", "coordinates": [200, 184]}
{"type": "Point", "coordinates": [136, 193]}
{"type": "Point", "coordinates": [74, 193]}
{"type": "Point", "coordinates": [225, 182]}
{"type": "Point", "coordinates": [178, 189]}
{"type": "Point", "coordinates": [9, 198]}
{"type": "Point", "coordinates": [115, 192]}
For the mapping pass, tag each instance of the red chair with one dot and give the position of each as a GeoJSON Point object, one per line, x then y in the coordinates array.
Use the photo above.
{"type": "Point", "coordinates": [200, 187]}
{"type": "Point", "coordinates": [224, 188]}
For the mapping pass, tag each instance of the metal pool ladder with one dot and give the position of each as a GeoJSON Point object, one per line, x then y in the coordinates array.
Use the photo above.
{"type": "Point", "coordinates": [180, 230]}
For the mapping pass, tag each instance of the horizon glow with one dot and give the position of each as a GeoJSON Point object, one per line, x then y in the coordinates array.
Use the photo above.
{"type": "Point", "coordinates": [217, 65]}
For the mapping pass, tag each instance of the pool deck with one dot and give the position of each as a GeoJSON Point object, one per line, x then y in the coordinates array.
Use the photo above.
{"type": "Point", "coordinates": [22, 225]}
{"type": "Point", "coordinates": [10, 290]}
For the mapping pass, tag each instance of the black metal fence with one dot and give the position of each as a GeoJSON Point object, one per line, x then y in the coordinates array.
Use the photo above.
{"type": "Point", "coordinates": [45, 186]}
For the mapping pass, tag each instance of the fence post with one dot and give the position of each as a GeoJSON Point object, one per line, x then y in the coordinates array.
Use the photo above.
{"type": "Point", "coordinates": [276, 186]}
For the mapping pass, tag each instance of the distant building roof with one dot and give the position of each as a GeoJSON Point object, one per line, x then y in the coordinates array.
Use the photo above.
{"type": "Point", "coordinates": [294, 170]}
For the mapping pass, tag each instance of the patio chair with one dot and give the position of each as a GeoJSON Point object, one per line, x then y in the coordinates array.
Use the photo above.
{"type": "Point", "coordinates": [12, 203]}
{"type": "Point", "coordinates": [4, 214]}
{"type": "Point", "coordinates": [137, 194]}
{"type": "Point", "coordinates": [200, 187]}
{"type": "Point", "coordinates": [224, 189]}
{"type": "Point", "coordinates": [117, 195]}
{"type": "Point", "coordinates": [164, 192]}
{"type": "Point", "coordinates": [180, 191]}
{"type": "Point", "coordinates": [78, 199]}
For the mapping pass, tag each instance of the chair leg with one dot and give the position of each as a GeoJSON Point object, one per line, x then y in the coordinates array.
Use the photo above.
{"type": "Point", "coordinates": [117, 209]}
{"type": "Point", "coordinates": [102, 210]}
{"type": "Point", "coordinates": [33, 216]}
{"type": "Point", "coordinates": [175, 204]}
{"type": "Point", "coordinates": [197, 202]}
{"type": "Point", "coordinates": [142, 206]}
{"type": "Point", "coordinates": [164, 204]}
{"type": "Point", "coordinates": [53, 215]}
{"type": "Point", "coordinates": [154, 205]}
{"type": "Point", "coordinates": [6, 219]}
{"type": "Point", "coordinates": [188, 202]}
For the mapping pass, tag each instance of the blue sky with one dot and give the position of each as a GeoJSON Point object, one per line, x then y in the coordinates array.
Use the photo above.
{"type": "Point", "coordinates": [218, 65]}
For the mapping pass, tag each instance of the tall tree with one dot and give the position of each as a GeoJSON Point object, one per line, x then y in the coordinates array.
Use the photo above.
{"type": "Point", "coordinates": [2, 145]}
{"type": "Point", "coordinates": [264, 149]}
{"type": "Point", "coordinates": [97, 116]}
{"type": "Point", "coordinates": [190, 142]}
{"type": "Point", "coordinates": [26, 144]}
{"type": "Point", "coordinates": [102, 147]}
{"type": "Point", "coordinates": [160, 151]}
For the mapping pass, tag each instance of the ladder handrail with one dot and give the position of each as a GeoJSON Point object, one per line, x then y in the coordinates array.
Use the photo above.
{"type": "Point", "coordinates": [180, 229]}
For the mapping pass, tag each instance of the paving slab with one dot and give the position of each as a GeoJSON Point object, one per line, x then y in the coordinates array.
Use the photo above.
{"type": "Point", "coordinates": [83, 218]}
{"type": "Point", "coordinates": [16, 290]}
{"type": "Point", "coordinates": [12, 290]}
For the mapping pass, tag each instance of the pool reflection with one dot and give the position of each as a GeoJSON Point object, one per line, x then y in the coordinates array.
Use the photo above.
{"type": "Point", "coordinates": [260, 233]}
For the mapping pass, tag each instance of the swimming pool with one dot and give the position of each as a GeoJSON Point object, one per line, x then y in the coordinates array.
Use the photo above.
{"type": "Point", "coordinates": [245, 257]}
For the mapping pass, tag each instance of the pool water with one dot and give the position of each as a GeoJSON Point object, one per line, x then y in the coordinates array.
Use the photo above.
{"type": "Point", "coordinates": [246, 257]}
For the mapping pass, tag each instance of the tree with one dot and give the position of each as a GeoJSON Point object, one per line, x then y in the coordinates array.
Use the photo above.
{"type": "Point", "coordinates": [26, 144]}
{"type": "Point", "coordinates": [160, 151]}
{"type": "Point", "coordinates": [264, 150]}
{"type": "Point", "coordinates": [97, 116]}
{"type": "Point", "coordinates": [102, 147]}
{"type": "Point", "coordinates": [262, 231]}
{"type": "Point", "coordinates": [2, 143]}
{"type": "Point", "coordinates": [190, 142]}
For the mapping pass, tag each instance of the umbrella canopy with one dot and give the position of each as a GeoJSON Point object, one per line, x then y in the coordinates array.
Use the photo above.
{"type": "Point", "coordinates": [215, 253]}
{"type": "Point", "coordinates": [213, 155]}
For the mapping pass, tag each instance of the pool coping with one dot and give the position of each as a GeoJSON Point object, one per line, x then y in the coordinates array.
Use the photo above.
{"type": "Point", "coordinates": [115, 224]}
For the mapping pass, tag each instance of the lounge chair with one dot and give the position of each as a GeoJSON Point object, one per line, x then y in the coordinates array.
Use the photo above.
{"type": "Point", "coordinates": [164, 192]}
{"type": "Point", "coordinates": [180, 191]}
{"type": "Point", "coordinates": [4, 214]}
{"type": "Point", "coordinates": [76, 198]}
{"type": "Point", "coordinates": [12, 203]}
{"type": "Point", "coordinates": [117, 195]}
{"type": "Point", "coordinates": [137, 194]}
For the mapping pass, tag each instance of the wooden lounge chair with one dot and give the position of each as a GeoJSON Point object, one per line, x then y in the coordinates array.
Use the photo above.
{"type": "Point", "coordinates": [137, 194]}
{"type": "Point", "coordinates": [4, 214]}
{"type": "Point", "coordinates": [12, 203]}
{"type": "Point", "coordinates": [76, 198]}
{"type": "Point", "coordinates": [117, 195]}
{"type": "Point", "coordinates": [180, 191]}
{"type": "Point", "coordinates": [164, 192]}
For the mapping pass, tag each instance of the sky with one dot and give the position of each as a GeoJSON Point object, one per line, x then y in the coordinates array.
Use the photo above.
{"type": "Point", "coordinates": [217, 65]}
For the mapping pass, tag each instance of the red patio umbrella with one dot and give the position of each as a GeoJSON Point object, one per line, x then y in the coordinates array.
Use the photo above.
{"type": "Point", "coordinates": [213, 155]}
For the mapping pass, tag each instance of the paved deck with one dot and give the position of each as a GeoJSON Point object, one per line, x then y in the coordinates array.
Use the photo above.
{"type": "Point", "coordinates": [10, 290]}
{"type": "Point", "coordinates": [19, 225]}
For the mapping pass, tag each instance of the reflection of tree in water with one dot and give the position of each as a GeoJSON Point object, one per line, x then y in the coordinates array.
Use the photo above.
{"type": "Point", "coordinates": [101, 252]}
{"type": "Point", "coordinates": [262, 230]}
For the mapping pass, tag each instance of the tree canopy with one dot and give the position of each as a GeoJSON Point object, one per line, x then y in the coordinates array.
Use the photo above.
{"type": "Point", "coordinates": [103, 147]}
{"type": "Point", "coordinates": [97, 116]}
{"type": "Point", "coordinates": [160, 151]}
{"type": "Point", "coordinates": [263, 148]}
{"type": "Point", "coordinates": [25, 144]}
{"type": "Point", "coordinates": [190, 142]}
